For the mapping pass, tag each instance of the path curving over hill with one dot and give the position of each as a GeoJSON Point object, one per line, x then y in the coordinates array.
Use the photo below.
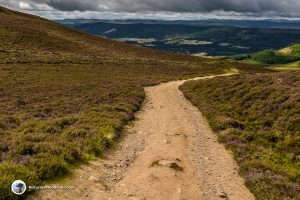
{"type": "Point", "coordinates": [169, 153]}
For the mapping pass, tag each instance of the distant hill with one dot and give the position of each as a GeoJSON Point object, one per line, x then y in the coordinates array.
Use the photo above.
{"type": "Point", "coordinates": [207, 37]}
{"type": "Point", "coordinates": [288, 57]}
{"type": "Point", "coordinates": [266, 23]}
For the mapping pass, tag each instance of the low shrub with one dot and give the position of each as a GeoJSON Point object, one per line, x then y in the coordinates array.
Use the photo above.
{"type": "Point", "coordinates": [257, 118]}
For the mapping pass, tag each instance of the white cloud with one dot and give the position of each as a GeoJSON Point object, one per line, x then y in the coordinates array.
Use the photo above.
{"type": "Point", "coordinates": [25, 5]}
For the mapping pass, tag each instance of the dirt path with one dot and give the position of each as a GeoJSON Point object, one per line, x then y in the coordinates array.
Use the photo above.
{"type": "Point", "coordinates": [169, 153]}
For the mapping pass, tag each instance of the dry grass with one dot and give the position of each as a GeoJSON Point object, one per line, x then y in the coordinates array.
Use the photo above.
{"type": "Point", "coordinates": [258, 118]}
{"type": "Point", "coordinates": [286, 51]}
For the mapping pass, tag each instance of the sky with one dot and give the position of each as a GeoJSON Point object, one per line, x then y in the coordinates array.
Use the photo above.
{"type": "Point", "coordinates": [158, 9]}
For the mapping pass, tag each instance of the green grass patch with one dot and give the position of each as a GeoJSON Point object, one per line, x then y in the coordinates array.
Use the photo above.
{"type": "Point", "coordinates": [287, 58]}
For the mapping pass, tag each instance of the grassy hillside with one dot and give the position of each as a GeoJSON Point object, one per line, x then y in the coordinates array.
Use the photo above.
{"type": "Point", "coordinates": [28, 39]}
{"type": "Point", "coordinates": [258, 119]}
{"type": "Point", "coordinates": [288, 57]}
{"type": "Point", "coordinates": [65, 95]}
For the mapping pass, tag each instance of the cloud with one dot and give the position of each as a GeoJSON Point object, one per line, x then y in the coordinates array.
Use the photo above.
{"type": "Point", "coordinates": [71, 5]}
{"type": "Point", "coordinates": [278, 8]}
{"type": "Point", "coordinates": [25, 5]}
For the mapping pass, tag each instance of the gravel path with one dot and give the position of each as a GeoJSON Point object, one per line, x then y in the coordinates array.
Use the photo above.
{"type": "Point", "coordinates": [168, 153]}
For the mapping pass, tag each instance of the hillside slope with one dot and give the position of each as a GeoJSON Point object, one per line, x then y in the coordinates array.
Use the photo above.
{"type": "Point", "coordinates": [258, 119]}
{"type": "Point", "coordinates": [26, 38]}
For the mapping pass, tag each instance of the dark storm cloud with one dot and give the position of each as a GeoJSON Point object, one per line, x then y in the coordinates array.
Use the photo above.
{"type": "Point", "coordinates": [284, 8]}
{"type": "Point", "coordinates": [70, 5]}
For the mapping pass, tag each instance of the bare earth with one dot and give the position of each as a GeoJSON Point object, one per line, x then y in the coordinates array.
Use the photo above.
{"type": "Point", "coordinates": [169, 153]}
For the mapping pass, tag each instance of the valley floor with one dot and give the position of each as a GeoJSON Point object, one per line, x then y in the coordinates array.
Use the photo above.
{"type": "Point", "coordinates": [169, 152]}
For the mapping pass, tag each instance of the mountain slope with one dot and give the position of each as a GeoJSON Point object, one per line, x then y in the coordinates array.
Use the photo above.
{"type": "Point", "coordinates": [28, 38]}
{"type": "Point", "coordinates": [257, 117]}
